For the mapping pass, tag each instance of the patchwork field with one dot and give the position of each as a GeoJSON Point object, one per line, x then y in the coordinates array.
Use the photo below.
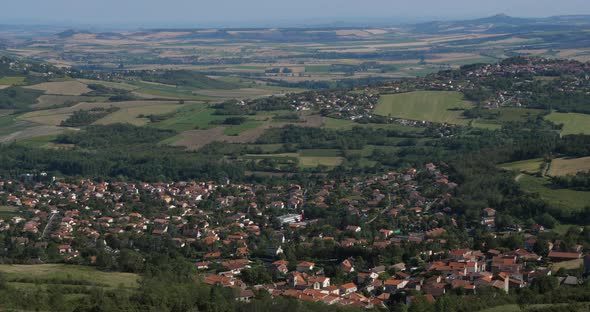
{"type": "Point", "coordinates": [573, 123]}
{"type": "Point", "coordinates": [55, 116]}
{"type": "Point", "coordinates": [565, 166]}
{"type": "Point", "coordinates": [433, 106]}
{"type": "Point", "coordinates": [559, 198]}
{"type": "Point", "coordinates": [62, 87]}
{"type": "Point", "coordinates": [136, 115]}
{"type": "Point", "coordinates": [49, 101]}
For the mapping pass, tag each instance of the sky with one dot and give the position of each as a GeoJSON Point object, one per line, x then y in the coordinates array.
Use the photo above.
{"type": "Point", "coordinates": [216, 13]}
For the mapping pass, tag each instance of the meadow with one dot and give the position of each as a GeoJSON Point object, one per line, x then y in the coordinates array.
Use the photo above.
{"type": "Point", "coordinates": [566, 166]}
{"type": "Point", "coordinates": [433, 106]}
{"type": "Point", "coordinates": [530, 166]}
{"type": "Point", "coordinates": [10, 81]}
{"type": "Point", "coordinates": [573, 123]}
{"type": "Point", "coordinates": [62, 87]}
{"type": "Point", "coordinates": [67, 274]}
{"type": "Point", "coordinates": [559, 198]}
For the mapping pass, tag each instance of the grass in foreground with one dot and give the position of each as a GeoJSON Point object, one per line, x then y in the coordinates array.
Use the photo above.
{"type": "Point", "coordinates": [433, 106]}
{"type": "Point", "coordinates": [65, 274]}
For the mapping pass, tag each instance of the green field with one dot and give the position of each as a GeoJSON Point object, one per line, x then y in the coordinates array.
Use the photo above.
{"type": "Point", "coordinates": [344, 124]}
{"type": "Point", "coordinates": [67, 274]}
{"type": "Point", "coordinates": [190, 117]}
{"type": "Point", "coordinates": [317, 68]}
{"type": "Point", "coordinates": [236, 130]}
{"type": "Point", "coordinates": [312, 162]}
{"type": "Point", "coordinates": [307, 158]}
{"type": "Point", "coordinates": [8, 211]}
{"type": "Point", "coordinates": [515, 114]}
{"type": "Point", "coordinates": [320, 153]}
{"type": "Point", "coordinates": [531, 166]}
{"type": "Point", "coordinates": [573, 123]}
{"type": "Point", "coordinates": [45, 141]}
{"type": "Point", "coordinates": [433, 106]}
{"type": "Point", "coordinates": [559, 198]}
{"type": "Point", "coordinates": [530, 307]}
{"type": "Point", "coordinates": [11, 80]}
{"type": "Point", "coordinates": [131, 114]}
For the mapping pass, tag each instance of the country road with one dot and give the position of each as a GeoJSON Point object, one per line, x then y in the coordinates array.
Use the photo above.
{"type": "Point", "coordinates": [48, 224]}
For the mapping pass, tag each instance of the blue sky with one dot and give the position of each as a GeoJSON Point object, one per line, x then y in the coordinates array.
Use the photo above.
{"type": "Point", "coordinates": [270, 12]}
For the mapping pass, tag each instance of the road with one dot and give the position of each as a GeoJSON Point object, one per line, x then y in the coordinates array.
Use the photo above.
{"type": "Point", "coordinates": [47, 226]}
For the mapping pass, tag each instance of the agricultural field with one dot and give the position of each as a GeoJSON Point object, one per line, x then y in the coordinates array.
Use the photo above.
{"type": "Point", "coordinates": [344, 124]}
{"type": "Point", "coordinates": [559, 198]}
{"type": "Point", "coordinates": [567, 166]}
{"type": "Point", "coordinates": [306, 158]}
{"type": "Point", "coordinates": [62, 87]}
{"type": "Point", "coordinates": [530, 166]}
{"type": "Point", "coordinates": [433, 106]}
{"type": "Point", "coordinates": [573, 123]}
{"type": "Point", "coordinates": [137, 115]}
{"type": "Point", "coordinates": [515, 114]}
{"type": "Point", "coordinates": [189, 117]}
{"type": "Point", "coordinates": [55, 116]}
{"type": "Point", "coordinates": [50, 101]}
{"type": "Point", "coordinates": [11, 81]}
{"type": "Point", "coordinates": [47, 274]}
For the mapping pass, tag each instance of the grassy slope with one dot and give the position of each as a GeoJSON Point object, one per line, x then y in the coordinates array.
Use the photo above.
{"type": "Point", "coordinates": [131, 115]}
{"type": "Point", "coordinates": [65, 273]}
{"type": "Point", "coordinates": [574, 123]}
{"type": "Point", "coordinates": [560, 198]}
{"type": "Point", "coordinates": [11, 80]}
{"type": "Point", "coordinates": [424, 105]}
{"type": "Point", "coordinates": [529, 166]}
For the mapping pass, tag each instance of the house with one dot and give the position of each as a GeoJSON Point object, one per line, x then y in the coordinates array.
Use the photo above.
{"type": "Point", "coordinates": [305, 266]}
{"type": "Point", "coordinates": [353, 228]}
{"type": "Point", "coordinates": [568, 280]}
{"type": "Point", "coordinates": [290, 218]}
{"type": "Point", "coordinates": [64, 249]}
{"type": "Point", "coordinates": [348, 288]}
{"type": "Point", "coordinates": [362, 277]}
{"type": "Point", "coordinates": [564, 256]}
{"type": "Point", "coordinates": [245, 295]}
{"type": "Point", "coordinates": [319, 282]}
{"type": "Point", "coordinates": [203, 265]}
{"type": "Point", "coordinates": [274, 251]}
{"type": "Point", "coordinates": [392, 285]}
{"type": "Point", "coordinates": [346, 266]}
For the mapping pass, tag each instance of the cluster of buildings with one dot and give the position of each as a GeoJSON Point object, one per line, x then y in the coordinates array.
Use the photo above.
{"type": "Point", "coordinates": [239, 226]}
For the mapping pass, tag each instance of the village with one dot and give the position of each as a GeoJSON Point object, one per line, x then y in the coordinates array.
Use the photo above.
{"type": "Point", "coordinates": [513, 81]}
{"type": "Point", "coordinates": [386, 237]}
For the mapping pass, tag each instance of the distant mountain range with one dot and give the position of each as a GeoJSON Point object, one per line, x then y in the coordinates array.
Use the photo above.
{"type": "Point", "coordinates": [496, 24]}
{"type": "Point", "coordinates": [503, 23]}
